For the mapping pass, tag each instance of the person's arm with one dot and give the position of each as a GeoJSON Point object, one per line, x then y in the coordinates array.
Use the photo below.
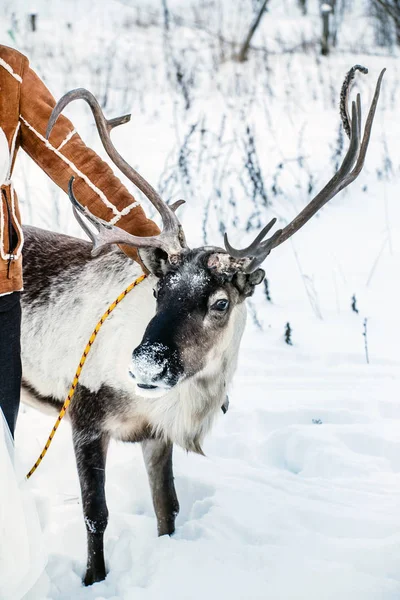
{"type": "Point", "coordinates": [65, 155]}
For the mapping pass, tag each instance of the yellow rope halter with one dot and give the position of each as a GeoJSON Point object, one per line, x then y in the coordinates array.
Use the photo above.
{"type": "Point", "coordinates": [79, 370]}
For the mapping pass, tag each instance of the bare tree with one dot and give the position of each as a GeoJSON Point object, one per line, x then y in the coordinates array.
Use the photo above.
{"type": "Point", "coordinates": [392, 9]}
{"type": "Point", "coordinates": [244, 50]}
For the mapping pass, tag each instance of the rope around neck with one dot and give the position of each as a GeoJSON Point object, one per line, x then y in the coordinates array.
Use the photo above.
{"type": "Point", "coordinates": [79, 370]}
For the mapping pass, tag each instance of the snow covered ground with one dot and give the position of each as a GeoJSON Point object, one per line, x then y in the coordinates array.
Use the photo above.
{"type": "Point", "coordinates": [299, 494]}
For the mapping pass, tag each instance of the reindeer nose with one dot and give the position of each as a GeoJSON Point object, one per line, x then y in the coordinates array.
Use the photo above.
{"type": "Point", "coordinates": [154, 364]}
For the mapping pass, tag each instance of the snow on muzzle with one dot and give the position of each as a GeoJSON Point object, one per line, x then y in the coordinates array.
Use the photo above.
{"type": "Point", "coordinates": [156, 368]}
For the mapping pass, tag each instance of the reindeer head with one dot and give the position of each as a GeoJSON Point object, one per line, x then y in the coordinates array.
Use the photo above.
{"type": "Point", "coordinates": [199, 292]}
{"type": "Point", "coordinates": [198, 320]}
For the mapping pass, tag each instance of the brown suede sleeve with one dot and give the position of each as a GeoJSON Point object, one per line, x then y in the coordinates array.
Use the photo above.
{"type": "Point", "coordinates": [62, 157]}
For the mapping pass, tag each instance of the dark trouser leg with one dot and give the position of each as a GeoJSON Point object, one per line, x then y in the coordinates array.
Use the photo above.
{"type": "Point", "coordinates": [90, 451]}
{"type": "Point", "coordinates": [10, 357]}
{"type": "Point", "coordinates": [158, 460]}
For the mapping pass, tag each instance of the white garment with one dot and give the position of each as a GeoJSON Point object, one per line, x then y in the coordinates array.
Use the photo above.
{"type": "Point", "coordinates": [22, 556]}
{"type": "Point", "coordinates": [4, 157]}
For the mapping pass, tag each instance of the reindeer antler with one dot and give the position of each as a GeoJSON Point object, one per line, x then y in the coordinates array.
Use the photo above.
{"type": "Point", "coordinates": [172, 238]}
{"type": "Point", "coordinates": [349, 170]}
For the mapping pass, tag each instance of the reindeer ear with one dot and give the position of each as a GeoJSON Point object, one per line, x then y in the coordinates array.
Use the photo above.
{"type": "Point", "coordinates": [246, 283]}
{"type": "Point", "coordinates": [155, 260]}
{"type": "Point", "coordinates": [256, 277]}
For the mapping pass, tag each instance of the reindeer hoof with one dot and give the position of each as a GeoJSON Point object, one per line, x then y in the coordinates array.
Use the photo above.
{"type": "Point", "coordinates": [93, 576]}
{"type": "Point", "coordinates": [166, 527]}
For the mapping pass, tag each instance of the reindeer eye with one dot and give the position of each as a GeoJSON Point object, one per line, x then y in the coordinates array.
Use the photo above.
{"type": "Point", "coordinates": [221, 305]}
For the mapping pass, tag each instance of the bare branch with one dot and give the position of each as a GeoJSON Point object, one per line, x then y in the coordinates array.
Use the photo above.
{"type": "Point", "coordinates": [243, 52]}
{"type": "Point", "coordinates": [391, 10]}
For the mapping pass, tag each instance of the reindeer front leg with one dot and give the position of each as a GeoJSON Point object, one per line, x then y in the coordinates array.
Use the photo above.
{"type": "Point", "coordinates": [90, 451]}
{"type": "Point", "coordinates": [158, 460]}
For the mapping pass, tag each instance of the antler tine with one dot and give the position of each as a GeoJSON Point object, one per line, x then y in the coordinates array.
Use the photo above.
{"type": "Point", "coordinates": [83, 94]}
{"type": "Point", "coordinates": [85, 228]}
{"type": "Point", "coordinates": [367, 132]}
{"type": "Point", "coordinates": [262, 252]}
{"type": "Point", "coordinates": [109, 234]}
{"type": "Point", "coordinates": [78, 208]}
{"type": "Point", "coordinates": [359, 114]}
{"type": "Point", "coordinates": [175, 205]}
{"type": "Point", "coordinates": [349, 170]}
{"type": "Point", "coordinates": [253, 246]}
{"type": "Point", "coordinates": [172, 234]}
{"type": "Point", "coordinates": [344, 95]}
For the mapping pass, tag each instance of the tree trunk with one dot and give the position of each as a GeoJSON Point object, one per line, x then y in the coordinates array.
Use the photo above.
{"type": "Point", "coordinates": [303, 6]}
{"type": "Point", "coordinates": [326, 10]}
{"type": "Point", "coordinates": [33, 21]}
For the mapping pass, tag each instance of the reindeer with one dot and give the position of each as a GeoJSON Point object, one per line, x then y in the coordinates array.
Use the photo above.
{"type": "Point", "coordinates": [159, 371]}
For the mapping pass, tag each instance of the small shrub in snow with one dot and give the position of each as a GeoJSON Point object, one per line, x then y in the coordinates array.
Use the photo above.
{"type": "Point", "coordinates": [253, 168]}
{"type": "Point", "coordinates": [288, 334]}
{"type": "Point", "coordinates": [354, 303]}
{"type": "Point", "coordinates": [266, 290]}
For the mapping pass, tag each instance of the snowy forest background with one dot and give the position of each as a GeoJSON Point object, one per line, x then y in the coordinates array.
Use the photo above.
{"type": "Point", "coordinates": [299, 496]}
